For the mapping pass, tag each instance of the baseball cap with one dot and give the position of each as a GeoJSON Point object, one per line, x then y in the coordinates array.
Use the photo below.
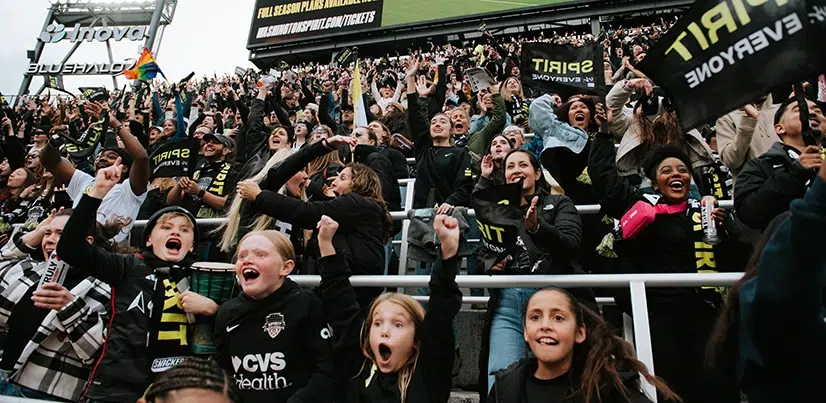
{"type": "Point", "coordinates": [226, 141]}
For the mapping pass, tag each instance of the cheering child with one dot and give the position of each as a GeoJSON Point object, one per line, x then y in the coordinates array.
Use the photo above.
{"type": "Point", "coordinates": [576, 358]}
{"type": "Point", "coordinates": [272, 337]}
{"type": "Point", "coordinates": [147, 333]}
{"type": "Point", "coordinates": [398, 353]}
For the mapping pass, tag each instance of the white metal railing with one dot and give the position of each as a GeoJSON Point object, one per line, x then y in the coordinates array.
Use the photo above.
{"type": "Point", "coordinates": [402, 215]}
{"type": "Point", "coordinates": [637, 284]}
{"type": "Point", "coordinates": [637, 330]}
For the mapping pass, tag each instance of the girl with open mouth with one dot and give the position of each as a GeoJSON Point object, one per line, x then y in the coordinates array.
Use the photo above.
{"type": "Point", "coordinates": [397, 352]}
{"type": "Point", "coordinates": [576, 358]}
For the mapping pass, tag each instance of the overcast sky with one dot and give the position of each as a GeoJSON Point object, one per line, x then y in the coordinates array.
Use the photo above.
{"type": "Point", "coordinates": [206, 36]}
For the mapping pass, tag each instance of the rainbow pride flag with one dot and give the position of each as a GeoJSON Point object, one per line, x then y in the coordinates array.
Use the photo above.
{"type": "Point", "coordinates": [144, 69]}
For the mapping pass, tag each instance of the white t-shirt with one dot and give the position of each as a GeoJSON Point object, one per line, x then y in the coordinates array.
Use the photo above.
{"type": "Point", "coordinates": [120, 201]}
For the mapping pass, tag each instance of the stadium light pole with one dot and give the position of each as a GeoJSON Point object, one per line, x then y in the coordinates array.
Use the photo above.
{"type": "Point", "coordinates": [38, 50]}
{"type": "Point", "coordinates": [154, 23]}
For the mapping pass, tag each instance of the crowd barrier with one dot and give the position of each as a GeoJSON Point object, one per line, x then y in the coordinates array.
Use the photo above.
{"type": "Point", "coordinates": [636, 328]}
{"type": "Point", "coordinates": [402, 243]}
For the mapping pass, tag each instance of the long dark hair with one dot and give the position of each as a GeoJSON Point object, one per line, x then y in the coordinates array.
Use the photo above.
{"type": "Point", "coordinates": [599, 359]}
{"type": "Point", "coordinates": [542, 186]}
{"type": "Point", "coordinates": [722, 351]}
{"type": "Point", "coordinates": [562, 112]}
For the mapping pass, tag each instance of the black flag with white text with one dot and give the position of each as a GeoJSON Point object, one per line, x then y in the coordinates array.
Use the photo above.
{"type": "Point", "coordinates": [563, 69]}
{"type": "Point", "coordinates": [724, 53]}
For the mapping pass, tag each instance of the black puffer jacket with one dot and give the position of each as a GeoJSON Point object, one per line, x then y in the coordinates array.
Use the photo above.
{"type": "Point", "coordinates": [397, 159]}
{"type": "Point", "coordinates": [363, 225]}
{"type": "Point", "coordinates": [768, 184]}
{"type": "Point", "coordinates": [510, 386]}
{"type": "Point", "coordinates": [144, 336]}
{"type": "Point", "coordinates": [557, 243]}
{"type": "Point", "coordinates": [370, 156]}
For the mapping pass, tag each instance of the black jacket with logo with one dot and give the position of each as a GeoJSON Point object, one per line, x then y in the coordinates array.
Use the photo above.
{"type": "Point", "coordinates": [357, 382]}
{"type": "Point", "coordinates": [148, 332]}
{"type": "Point", "coordinates": [277, 348]}
{"type": "Point", "coordinates": [768, 184]}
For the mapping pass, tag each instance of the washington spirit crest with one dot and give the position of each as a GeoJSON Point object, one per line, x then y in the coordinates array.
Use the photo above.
{"type": "Point", "coordinates": [274, 324]}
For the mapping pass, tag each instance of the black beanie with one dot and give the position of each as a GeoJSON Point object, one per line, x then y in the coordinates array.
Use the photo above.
{"type": "Point", "coordinates": [150, 225]}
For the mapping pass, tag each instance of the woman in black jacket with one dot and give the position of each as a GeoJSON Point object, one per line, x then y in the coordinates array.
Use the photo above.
{"type": "Point", "coordinates": [550, 241]}
{"type": "Point", "coordinates": [396, 157]}
{"type": "Point", "coordinates": [576, 358]}
{"type": "Point", "coordinates": [397, 352]}
{"type": "Point", "coordinates": [681, 319]}
{"type": "Point", "coordinates": [358, 206]}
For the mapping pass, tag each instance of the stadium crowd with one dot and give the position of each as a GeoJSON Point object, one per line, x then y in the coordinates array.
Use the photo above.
{"type": "Point", "coordinates": [305, 189]}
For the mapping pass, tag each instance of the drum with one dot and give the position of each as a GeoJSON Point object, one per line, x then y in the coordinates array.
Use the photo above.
{"type": "Point", "coordinates": [217, 282]}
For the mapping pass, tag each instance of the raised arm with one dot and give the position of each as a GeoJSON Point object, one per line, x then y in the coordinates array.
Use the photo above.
{"type": "Point", "coordinates": [614, 193]}
{"type": "Point", "coordinates": [479, 142]}
{"type": "Point", "coordinates": [339, 303]}
{"type": "Point", "coordinates": [734, 141]}
{"type": "Point", "coordinates": [759, 196]}
{"type": "Point", "coordinates": [281, 173]}
{"type": "Point", "coordinates": [437, 351]}
{"type": "Point", "coordinates": [108, 267]}
{"type": "Point", "coordinates": [139, 172]}
{"type": "Point", "coordinates": [84, 324]}
{"type": "Point", "coordinates": [60, 168]}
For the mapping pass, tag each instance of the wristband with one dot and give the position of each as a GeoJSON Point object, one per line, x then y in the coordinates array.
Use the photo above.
{"type": "Point", "coordinates": [201, 193]}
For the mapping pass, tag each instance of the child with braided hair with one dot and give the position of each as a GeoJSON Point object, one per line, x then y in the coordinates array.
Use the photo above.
{"type": "Point", "coordinates": [193, 380]}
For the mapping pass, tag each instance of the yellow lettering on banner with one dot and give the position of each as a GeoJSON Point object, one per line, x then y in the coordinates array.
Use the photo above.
{"type": "Point", "coordinates": [705, 255]}
{"type": "Point", "coordinates": [557, 67]}
{"type": "Point", "coordinates": [505, 202]}
{"type": "Point", "coordinates": [718, 17]}
{"type": "Point", "coordinates": [179, 334]}
{"type": "Point", "coordinates": [698, 222]}
{"type": "Point", "coordinates": [486, 229]}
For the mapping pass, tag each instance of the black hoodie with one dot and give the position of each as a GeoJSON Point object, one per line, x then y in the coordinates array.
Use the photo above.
{"type": "Point", "coordinates": [276, 348]}
{"type": "Point", "coordinates": [432, 380]}
{"type": "Point", "coordinates": [768, 184]}
{"type": "Point", "coordinates": [147, 333]}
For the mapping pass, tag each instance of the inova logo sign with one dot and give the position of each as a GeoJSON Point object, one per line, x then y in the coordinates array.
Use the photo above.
{"type": "Point", "coordinates": [57, 32]}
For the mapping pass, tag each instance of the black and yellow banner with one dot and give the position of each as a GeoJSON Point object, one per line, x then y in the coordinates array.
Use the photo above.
{"type": "Point", "coordinates": [725, 53]}
{"type": "Point", "coordinates": [499, 216]}
{"type": "Point", "coordinates": [563, 69]}
{"type": "Point", "coordinates": [174, 159]}
{"type": "Point", "coordinates": [275, 21]}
